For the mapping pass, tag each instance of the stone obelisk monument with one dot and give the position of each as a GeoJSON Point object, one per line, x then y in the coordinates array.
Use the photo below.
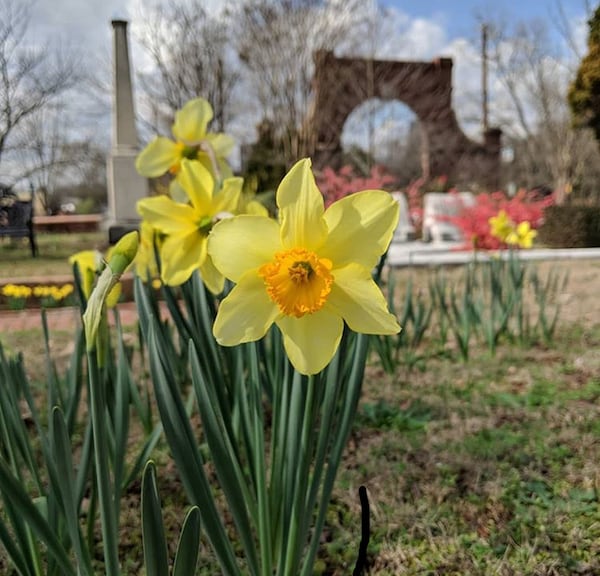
{"type": "Point", "coordinates": [125, 185]}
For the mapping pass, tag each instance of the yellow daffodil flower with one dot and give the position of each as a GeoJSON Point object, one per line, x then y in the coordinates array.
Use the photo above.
{"type": "Point", "coordinates": [186, 226]}
{"type": "Point", "coordinates": [192, 141]}
{"type": "Point", "coordinates": [501, 225]}
{"type": "Point", "coordinates": [17, 291]}
{"type": "Point", "coordinates": [522, 236]}
{"type": "Point", "coordinates": [90, 264]}
{"type": "Point", "coordinates": [145, 263]}
{"type": "Point", "coordinates": [309, 273]}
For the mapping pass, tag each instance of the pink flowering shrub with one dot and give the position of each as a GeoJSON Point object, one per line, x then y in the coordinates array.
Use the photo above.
{"type": "Point", "coordinates": [335, 185]}
{"type": "Point", "coordinates": [474, 223]}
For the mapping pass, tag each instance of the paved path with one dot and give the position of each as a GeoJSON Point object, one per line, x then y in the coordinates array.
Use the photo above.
{"type": "Point", "coordinates": [58, 318]}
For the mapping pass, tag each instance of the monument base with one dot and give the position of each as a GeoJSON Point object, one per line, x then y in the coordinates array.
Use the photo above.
{"type": "Point", "coordinates": [117, 231]}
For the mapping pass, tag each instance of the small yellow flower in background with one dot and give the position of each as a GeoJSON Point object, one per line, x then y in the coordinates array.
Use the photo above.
{"type": "Point", "coordinates": [145, 263]}
{"type": "Point", "coordinates": [186, 226]}
{"type": "Point", "coordinates": [192, 141]}
{"type": "Point", "coordinates": [501, 225]}
{"type": "Point", "coordinates": [17, 291]}
{"type": "Point", "coordinates": [90, 264]}
{"type": "Point", "coordinates": [309, 273]}
{"type": "Point", "coordinates": [522, 236]}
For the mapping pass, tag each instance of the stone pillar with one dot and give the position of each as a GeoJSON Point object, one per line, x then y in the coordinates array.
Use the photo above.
{"type": "Point", "coordinates": [125, 185]}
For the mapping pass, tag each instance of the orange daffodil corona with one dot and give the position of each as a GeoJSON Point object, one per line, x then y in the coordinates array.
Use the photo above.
{"type": "Point", "coordinates": [192, 141]}
{"type": "Point", "coordinates": [186, 226]}
{"type": "Point", "coordinates": [308, 273]}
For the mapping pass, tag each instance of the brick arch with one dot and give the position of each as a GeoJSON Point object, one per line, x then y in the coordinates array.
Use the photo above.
{"type": "Point", "coordinates": [342, 84]}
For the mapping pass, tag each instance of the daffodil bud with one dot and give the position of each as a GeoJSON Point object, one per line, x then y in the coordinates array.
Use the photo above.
{"type": "Point", "coordinates": [124, 252]}
{"type": "Point", "coordinates": [121, 257]}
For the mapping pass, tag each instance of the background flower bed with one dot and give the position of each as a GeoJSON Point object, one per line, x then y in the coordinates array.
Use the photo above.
{"type": "Point", "coordinates": [23, 293]}
{"type": "Point", "coordinates": [51, 267]}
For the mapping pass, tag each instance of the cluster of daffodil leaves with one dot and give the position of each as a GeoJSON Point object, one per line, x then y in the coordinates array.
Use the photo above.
{"type": "Point", "coordinates": [276, 313]}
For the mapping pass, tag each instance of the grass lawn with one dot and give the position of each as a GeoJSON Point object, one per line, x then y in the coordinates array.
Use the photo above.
{"type": "Point", "coordinates": [54, 251]}
{"type": "Point", "coordinates": [478, 468]}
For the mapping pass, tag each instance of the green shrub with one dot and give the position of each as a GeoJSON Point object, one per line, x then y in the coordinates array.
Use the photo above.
{"type": "Point", "coordinates": [571, 227]}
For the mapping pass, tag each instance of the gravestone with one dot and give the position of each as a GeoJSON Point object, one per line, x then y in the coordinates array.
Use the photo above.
{"type": "Point", "coordinates": [125, 185]}
{"type": "Point", "coordinates": [438, 207]}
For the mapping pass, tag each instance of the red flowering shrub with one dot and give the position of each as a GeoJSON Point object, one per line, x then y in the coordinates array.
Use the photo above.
{"type": "Point", "coordinates": [473, 221]}
{"type": "Point", "coordinates": [335, 185]}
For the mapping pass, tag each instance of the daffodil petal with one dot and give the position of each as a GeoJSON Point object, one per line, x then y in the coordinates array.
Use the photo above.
{"type": "Point", "coordinates": [167, 216]}
{"type": "Point", "coordinates": [180, 255]}
{"type": "Point", "coordinates": [88, 263]}
{"type": "Point", "coordinates": [198, 184]}
{"type": "Point", "coordinates": [246, 313]}
{"type": "Point", "coordinates": [243, 243]}
{"type": "Point", "coordinates": [86, 260]}
{"type": "Point", "coordinates": [311, 341]}
{"type": "Point", "coordinates": [211, 277]}
{"type": "Point", "coordinates": [113, 296]}
{"type": "Point", "coordinates": [361, 227]}
{"type": "Point", "coordinates": [191, 121]}
{"type": "Point", "coordinates": [156, 158]}
{"type": "Point", "coordinates": [256, 207]}
{"type": "Point", "coordinates": [301, 209]}
{"type": "Point", "coordinates": [226, 200]}
{"type": "Point", "coordinates": [358, 300]}
{"type": "Point", "coordinates": [222, 144]}
{"type": "Point", "coordinates": [177, 193]}
{"type": "Point", "coordinates": [224, 168]}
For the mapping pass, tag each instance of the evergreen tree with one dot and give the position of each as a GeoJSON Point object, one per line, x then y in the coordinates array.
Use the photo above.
{"type": "Point", "coordinates": [584, 92]}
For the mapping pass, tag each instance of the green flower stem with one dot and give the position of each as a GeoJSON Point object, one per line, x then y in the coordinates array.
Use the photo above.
{"type": "Point", "coordinates": [280, 405]}
{"type": "Point", "coordinates": [296, 535]}
{"type": "Point", "coordinates": [264, 515]}
{"type": "Point", "coordinates": [105, 493]}
{"type": "Point", "coordinates": [289, 446]}
{"type": "Point", "coordinates": [348, 405]}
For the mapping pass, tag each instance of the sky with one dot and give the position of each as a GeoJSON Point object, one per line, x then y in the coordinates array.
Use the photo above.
{"type": "Point", "coordinates": [458, 17]}
{"type": "Point", "coordinates": [416, 30]}
{"type": "Point", "coordinates": [421, 29]}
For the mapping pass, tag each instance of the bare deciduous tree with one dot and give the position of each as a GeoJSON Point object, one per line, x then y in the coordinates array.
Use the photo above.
{"type": "Point", "coordinates": [536, 116]}
{"type": "Point", "coordinates": [276, 41]}
{"type": "Point", "coordinates": [192, 57]}
{"type": "Point", "coordinates": [31, 78]}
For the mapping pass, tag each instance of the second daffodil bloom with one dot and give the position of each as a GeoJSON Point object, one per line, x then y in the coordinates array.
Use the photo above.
{"type": "Point", "coordinates": [192, 140]}
{"type": "Point", "coordinates": [186, 225]}
{"type": "Point", "coordinates": [309, 273]}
